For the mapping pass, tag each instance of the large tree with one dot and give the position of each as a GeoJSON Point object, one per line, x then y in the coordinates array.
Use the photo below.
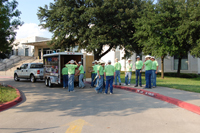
{"type": "Point", "coordinates": [92, 24]}
{"type": "Point", "coordinates": [160, 30]}
{"type": "Point", "coordinates": [9, 22]}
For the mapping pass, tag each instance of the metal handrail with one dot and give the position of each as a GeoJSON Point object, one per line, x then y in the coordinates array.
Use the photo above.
{"type": "Point", "coordinates": [13, 61]}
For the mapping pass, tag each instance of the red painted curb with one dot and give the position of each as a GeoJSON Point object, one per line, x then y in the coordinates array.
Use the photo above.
{"type": "Point", "coordinates": [13, 102]}
{"type": "Point", "coordinates": [177, 102]}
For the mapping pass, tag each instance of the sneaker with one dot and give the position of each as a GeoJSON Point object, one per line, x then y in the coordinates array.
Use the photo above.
{"type": "Point", "coordinates": [111, 93]}
{"type": "Point", "coordinates": [73, 91]}
{"type": "Point", "coordinates": [129, 84]}
{"type": "Point", "coordinates": [63, 87]}
{"type": "Point", "coordinates": [104, 93]}
{"type": "Point", "coordinates": [136, 86]}
{"type": "Point", "coordinates": [96, 91]}
{"type": "Point", "coordinates": [154, 87]}
{"type": "Point", "coordinates": [119, 83]}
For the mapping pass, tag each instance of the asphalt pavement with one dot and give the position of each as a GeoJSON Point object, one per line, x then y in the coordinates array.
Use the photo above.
{"type": "Point", "coordinates": [55, 110]}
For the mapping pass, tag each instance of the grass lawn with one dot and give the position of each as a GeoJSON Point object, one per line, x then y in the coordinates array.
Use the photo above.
{"type": "Point", "coordinates": [7, 94]}
{"type": "Point", "coordinates": [187, 84]}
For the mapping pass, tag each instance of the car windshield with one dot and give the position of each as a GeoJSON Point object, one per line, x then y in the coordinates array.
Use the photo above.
{"type": "Point", "coordinates": [36, 66]}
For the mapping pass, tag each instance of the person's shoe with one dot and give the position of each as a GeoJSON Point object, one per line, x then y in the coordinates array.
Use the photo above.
{"type": "Point", "coordinates": [129, 84]}
{"type": "Point", "coordinates": [96, 91]}
{"type": "Point", "coordinates": [119, 83]}
{"type": "Point", "coordinates": [140, 85]}
{"type": "Point", "coordinates": [135, 86]}
{"type": "Point", "coordinates": [63, 87]}
{"type": "Point", "coordinates": [104, 93]}
{"type": "Point", "coordinates": [153, 87]}
{"type": "Point", "coordinates": [73, 91]}
{"type": "Point", "coordinates": [111, 93]}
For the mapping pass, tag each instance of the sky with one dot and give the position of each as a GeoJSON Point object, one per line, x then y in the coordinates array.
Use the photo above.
{"type": "Point", "coordinates": [29, 9]}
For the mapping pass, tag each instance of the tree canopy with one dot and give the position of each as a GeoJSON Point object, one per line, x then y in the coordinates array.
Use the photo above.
{"type": "Point", "coordinates": [9, 21]}
{"type": "Point", "coordinates": [92, 24]}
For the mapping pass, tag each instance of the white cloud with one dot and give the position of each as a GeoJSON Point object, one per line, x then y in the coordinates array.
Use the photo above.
{"type": "Point", "coordinates": [32, 29]}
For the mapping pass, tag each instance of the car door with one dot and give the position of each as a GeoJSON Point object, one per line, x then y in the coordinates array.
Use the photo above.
{"type": "Point", "coordinates": [25, 71]}
{"type": "Point", "coordinates": [19, 72]}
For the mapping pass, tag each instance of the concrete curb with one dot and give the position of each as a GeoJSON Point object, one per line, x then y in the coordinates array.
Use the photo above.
{"type": "Point", "coordinates": [13, 102]}
{"type": "Point", "coordinates": [177, 102]}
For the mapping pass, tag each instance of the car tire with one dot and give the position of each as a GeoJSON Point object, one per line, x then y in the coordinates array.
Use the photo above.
{"type": "Point", "coordinates": [46, 82]}
{"type": "Point", "coordinates": [32, 78]}
{"type": "Point", "coordinates": [49, 83]}
{"type": "Point", "coordinates": [16, 78]}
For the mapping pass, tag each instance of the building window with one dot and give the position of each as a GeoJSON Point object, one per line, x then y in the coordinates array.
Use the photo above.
{"type": "Point", "coordinates": [26, 51]}
{"type": "Point", "coordinates": [16, 51]}
{"type": "Point", "coordinates": [184, 62]}
{"type": "Point", "coordinates": [117, 53]}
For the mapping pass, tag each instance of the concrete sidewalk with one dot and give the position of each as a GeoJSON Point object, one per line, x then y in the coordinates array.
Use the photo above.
{"type": "Point", "coordinates": [190, 97]}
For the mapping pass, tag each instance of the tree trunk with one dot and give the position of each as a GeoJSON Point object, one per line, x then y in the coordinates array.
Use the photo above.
{"type": "Point", "coordinates": [162, 67]}
{"type": "Point", "coordinates": [179, 67]}
{"type": "Point", "coordinates": [98, 53]}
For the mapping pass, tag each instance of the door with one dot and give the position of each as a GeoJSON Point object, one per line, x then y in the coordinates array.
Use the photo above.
{"type": "Point", "coordinates": [26, 51]}
{"type": "Point", "coordinates": [25, 71]}
{"type": "Point", "coordinates": [19, 72]}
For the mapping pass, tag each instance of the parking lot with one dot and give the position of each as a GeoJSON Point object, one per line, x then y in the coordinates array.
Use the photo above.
{"type": "Point", "coordinates": [55, 110]}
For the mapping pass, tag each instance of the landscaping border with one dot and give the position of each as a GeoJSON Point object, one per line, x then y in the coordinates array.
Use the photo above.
{"type": "Point", "coordinates": [12, 103]}
{"type": "Point", "coordinates": [177, 102]}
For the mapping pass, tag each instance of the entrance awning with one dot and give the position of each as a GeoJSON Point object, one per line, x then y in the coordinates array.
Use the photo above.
{"type": "Point", "coordinates": [38, 44]}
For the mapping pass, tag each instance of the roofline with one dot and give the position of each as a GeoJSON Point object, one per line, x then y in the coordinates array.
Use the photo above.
{"type": "Point", "coordinates": [62, 53]}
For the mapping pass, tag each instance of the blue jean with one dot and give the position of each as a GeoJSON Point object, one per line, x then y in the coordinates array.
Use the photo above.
{"type": "Point", "coordinates": [117, 75]}
{"type": "Point", "coordinates": [65, 81]}
{"type": "Point", "coordinates": [93, 76]}
{"type": "Point", "coordinates": [81, 84]}
{"type": "Point", "coordinates": [138, 74]}
{"type": "Point", "coordinates": [100, 84]}
{"type": "Point", "coordinates": [128, 76]}
{"type": "Point", "coordinates": [109, 81]}
{"type": "Point", "coordinates": [71, 82]}
{"type": "Point", "coordinates": [153, 77]}
{"type": "Point", "coordinates": [148, 78]}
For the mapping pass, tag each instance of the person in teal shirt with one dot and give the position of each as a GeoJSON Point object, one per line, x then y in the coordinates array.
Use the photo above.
{"type": "Point", "coordinates": [109, 74]}
{"type": "Point", "coordinates": [154, 71]}
{"type": "Point", "coordinates": [128, 72]}
{"type": "Point", "coordinates": [100, 73]}
{"type": "Point", "coordinates": [81, 75]}
{"type": "Point", "coordinates": [71, 71]}
{"type": "Point", "coordinates": [148, 71]}
{"type": "Point", "coordinates": [117, 71]}
{"type": "Point", "coordinates": [138, 66]}
{"type": "Point", "coordinates": [65, 77]}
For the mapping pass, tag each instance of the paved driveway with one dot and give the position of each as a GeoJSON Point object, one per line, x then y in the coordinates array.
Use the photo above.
{"type": "Point", "coordinates": [55, 110]}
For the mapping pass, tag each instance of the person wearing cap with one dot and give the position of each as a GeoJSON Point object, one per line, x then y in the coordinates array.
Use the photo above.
{"type": "Point", "coordinates": [138, 66]}
{"type": "Point", "coordinates": [148, 71]}
{"type": "Point", "coordinates": [100, 73]}
{"type": "Point", "coordinates": [154, 71]}
{"type": "Point", "coordinates": [117, 71]}
{"type": "Point", "coordinates": [81, 75]}
{"type": "Point", "coordinates": [71, 71]}
{"type": "Point", "coordinates": [109, 74]}
{"type": "Point", "coordinates": [65, 77]}
{"type": "Point", "coordinates": [93, 74]}
{"type": "Point", "coordinates": [128, 72]}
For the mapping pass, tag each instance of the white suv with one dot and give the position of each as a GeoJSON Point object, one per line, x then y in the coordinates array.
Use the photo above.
{"type": "Point", "coordinates": [31, 71]}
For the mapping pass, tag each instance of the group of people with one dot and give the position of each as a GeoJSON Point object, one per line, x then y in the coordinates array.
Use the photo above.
{"type": "Point", "coordinates": [151, 68]}
{"type": "Point", "coordinates": [69, 72]}
{"type": "Point", "coordinates": [110, 73]}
